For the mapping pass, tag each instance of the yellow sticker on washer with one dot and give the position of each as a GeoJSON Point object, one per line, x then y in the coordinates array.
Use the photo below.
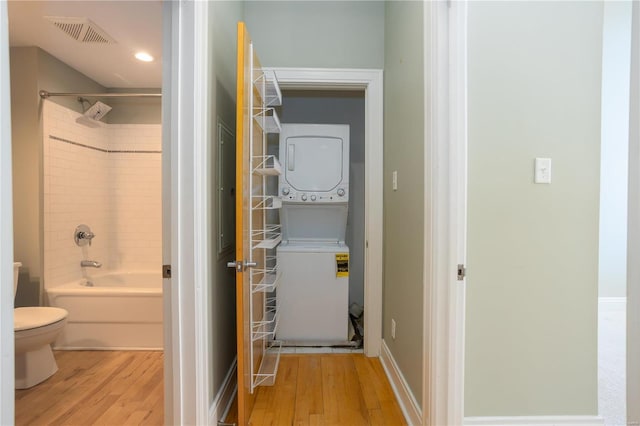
{"type": "Point", "coordinates": [342, 264]}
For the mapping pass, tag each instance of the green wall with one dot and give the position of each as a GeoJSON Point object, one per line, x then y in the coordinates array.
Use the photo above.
{"type": "Point", "coordinates": [56, 76]}
{"type": "Point", "coordinates": [134, 110]}
{"type": "Point", "coordinates": [534, 91]}
{"type": "Point", "coordinates": [26, 134]}
{"type": "Point", "coordinates": [222, 31]}
{"type": "Point", "coordinates": [32, 70]}
{"type": "Point", "coordinates": [326, 34]}
{"type": "Point", "coordinates": [404, 80]}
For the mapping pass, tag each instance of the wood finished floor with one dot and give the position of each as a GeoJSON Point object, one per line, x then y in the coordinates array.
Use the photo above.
{"type": "Point", "coordinates": [97, 388]}
{"type": "Point", "coordinates": [126, 388]}
{"type": "Point", "coordinates": [326, 389]}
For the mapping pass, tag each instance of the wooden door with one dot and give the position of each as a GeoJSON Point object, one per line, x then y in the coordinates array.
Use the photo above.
{"type": "Point", "coordinates": [249, 188]}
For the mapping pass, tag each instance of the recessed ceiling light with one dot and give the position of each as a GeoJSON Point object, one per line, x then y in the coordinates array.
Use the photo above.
{"type": "Point", "coordinates": [144, 57]}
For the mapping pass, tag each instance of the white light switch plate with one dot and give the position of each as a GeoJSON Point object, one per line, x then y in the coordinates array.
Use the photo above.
{"type": "Point", "coordinates": [542, 170]}
{"type": "Point", "coordinates": [394, 182]}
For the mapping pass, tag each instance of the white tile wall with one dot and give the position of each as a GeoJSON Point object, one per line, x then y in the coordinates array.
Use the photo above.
{"type": "Point", "coordinates": [136, 195]}
{"type": "Point", "coordinates": [118, 195]}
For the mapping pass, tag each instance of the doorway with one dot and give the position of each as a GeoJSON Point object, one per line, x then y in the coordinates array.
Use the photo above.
{"type": "Point", "coordinates": [339, 107]}
{"type": "Point", "coordinates": [369, 82]}
{"type": "Point", "coordinates": [98, 161]}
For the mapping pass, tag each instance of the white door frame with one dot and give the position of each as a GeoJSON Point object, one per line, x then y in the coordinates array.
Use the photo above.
{"type": "Point", "coordinates": [445, 211]}
{"type": "Point", "coordinates": [7, 393]}
{"type": "Point", "coordinates": [186, 242]}
{"type": "Point", "coordinates": [633, 230]}
{"type": "Point", "coordinates": [370, 81]}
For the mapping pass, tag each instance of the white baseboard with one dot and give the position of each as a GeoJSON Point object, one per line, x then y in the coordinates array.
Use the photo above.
{"type": "Point", "coordinates": [406, 400]}
{"type": "Point", "coordinates": [223, 400]}
{"type": "Point", "coordinates": [535, 421]}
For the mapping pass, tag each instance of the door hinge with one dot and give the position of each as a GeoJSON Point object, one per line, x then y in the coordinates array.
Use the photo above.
{"type": "Point", "coordinates": [462, 272]}
{"type": "Point", "coordinates": [166, 271]}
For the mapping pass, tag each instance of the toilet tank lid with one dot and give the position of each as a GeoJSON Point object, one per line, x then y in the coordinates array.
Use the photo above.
{"type": "Point", "coordinates": [36, 316]}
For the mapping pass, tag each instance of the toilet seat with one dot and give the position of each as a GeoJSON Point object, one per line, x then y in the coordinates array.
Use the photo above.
{"type": "Point", "coordinates": [28, 318]}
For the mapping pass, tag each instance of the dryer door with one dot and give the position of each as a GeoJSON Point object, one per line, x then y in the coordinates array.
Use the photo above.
{"type": "Point", "coordinates": [315, 160]}
{"type": "Point", "coordinates": [314, 163]}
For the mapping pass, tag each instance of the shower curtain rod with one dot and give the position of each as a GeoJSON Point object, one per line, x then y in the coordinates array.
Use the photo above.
{"type": "Point", "coordinates": [44, 95]}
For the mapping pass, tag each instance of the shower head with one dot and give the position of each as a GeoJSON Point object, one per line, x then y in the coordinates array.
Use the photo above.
{"type": "Point", "coordinates": [93, 114]}
{"type": "Point", "coordinates": [97, 111]}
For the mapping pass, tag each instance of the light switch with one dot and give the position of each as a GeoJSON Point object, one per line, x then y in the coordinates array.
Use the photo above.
{"type": "Point", "coordinates": [394, 183]}
{"type": "Point", "coordinates": [542, 170]}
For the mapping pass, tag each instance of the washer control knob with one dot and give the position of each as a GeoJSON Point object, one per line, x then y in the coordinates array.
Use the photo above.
{"type": "Point", "coordinates": [304, 197]}
{"type": "Point", "coordinates": [341, 192]}
{"type": "Point", "coordinates": [285, 191]}
{"type": "Point", "coordinates": [313, 198]}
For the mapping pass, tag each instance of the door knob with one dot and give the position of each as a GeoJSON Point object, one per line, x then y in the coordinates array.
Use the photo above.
{"type": "Point", "coordinates": [236, 265]}
{"type": "Point", "coordinates": [240, 266]}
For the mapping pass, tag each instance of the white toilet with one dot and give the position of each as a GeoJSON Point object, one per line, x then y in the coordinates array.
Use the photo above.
{"type": "Point", "coordinates": [35, 328]}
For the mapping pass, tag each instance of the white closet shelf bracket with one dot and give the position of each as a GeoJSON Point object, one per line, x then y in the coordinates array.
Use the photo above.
{"type": "Point", "coordinates": [264, 235]}
{"type": "Point", "coordinates": [269, 243]}
{"type": "Point", "coordinates": [266, 375]}
{"type": "Point", "coordinates": [268, 88]}
{"type": "Point", "coordinates": [266, 328]}
{"type": "Point", "coordinates": [267, 165]}
{"type": "Point", "coordinates": [267, 238]}
{"type": "Point", "coordinates": [268, 283]}
{"type": "Point", "coordinates": [267, 119]}
{"type": "Point", "coordinates": [266, 202]}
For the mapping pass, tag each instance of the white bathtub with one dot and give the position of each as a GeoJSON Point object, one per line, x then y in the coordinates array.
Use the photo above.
{"type": "Point", "coordinates": [122, 310]}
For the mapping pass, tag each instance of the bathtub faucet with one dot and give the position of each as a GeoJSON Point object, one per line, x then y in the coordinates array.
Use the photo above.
{"type": "Point", "coordinates": [90, 264]}
{"type": "Point", "coordinates": [86, 236]}
{"type": "Point", "coordinates": [83, 235]}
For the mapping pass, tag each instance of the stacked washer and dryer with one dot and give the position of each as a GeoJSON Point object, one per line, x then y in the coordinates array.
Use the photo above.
{"type": "Point", "coordinates": [313, 292]}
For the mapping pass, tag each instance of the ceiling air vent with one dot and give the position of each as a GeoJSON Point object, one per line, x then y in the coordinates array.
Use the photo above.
{"type": "Point", "coordinates": [83, 30]}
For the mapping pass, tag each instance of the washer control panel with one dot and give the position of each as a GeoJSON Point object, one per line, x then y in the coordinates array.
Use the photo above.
{"type": "Point", "coordinates": [338, 195]}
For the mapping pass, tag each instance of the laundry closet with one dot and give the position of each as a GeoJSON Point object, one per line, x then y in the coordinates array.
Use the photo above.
{"type": "Point", "coordinates": [321, 148]}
